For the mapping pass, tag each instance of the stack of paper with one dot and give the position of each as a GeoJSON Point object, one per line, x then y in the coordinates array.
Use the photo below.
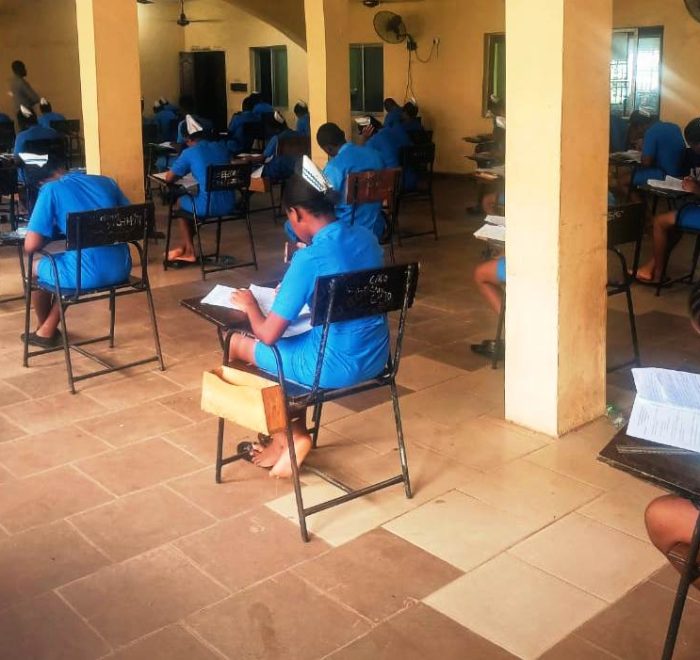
{"type": "Point", "coordinates": [494, 229]}
{"type": "Point", "coordinates": [669, 183]}
{"type": "Point", "coordinates": [667, 408]}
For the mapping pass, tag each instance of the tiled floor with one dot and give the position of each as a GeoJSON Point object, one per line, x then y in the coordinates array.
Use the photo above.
{"type": "Point", "coordinates": [115, 541]}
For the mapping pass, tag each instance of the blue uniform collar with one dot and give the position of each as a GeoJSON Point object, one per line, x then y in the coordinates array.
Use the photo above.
{"type": "Point", "coordinates": [326, 233]}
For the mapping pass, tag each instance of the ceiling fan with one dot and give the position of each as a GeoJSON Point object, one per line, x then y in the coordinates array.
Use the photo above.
{"type": "Point", "coordinates": [183, 21]}
{"type": "Point", "coordinates": [373, 4]}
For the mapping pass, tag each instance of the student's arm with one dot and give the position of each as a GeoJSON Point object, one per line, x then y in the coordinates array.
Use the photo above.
{"type": "Point", "coordinates": [41, 224]}
{"type": "Point", "coordinates": [179, 168]}
{"type": "Point", "coordinates": [268, 329]}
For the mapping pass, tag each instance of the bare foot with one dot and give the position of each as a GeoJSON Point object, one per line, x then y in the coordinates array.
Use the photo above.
{"type": "Point", "coordinates": [283, 467]}
{"type": "Point", "coordinates": [175, 253]}
{"type": "Point", "coordinates": [266, 457]}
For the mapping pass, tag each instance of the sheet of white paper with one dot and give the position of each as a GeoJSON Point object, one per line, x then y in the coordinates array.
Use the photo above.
{"type": "Point", "coordinates": [677, 388]}
{"type": "Point", "coordinates": [257, 173]}
{"type": "Point", "coordinates": [669, 183]}
{"type": "Point", "coordinates": [491, 233]}
{"type": "Point", "coordinates": [188, 182]}
{"type": "Point", "coordinates": [668, 425]}
{"type": "Point", "coordinates": [34, 159]}
{"type": "Point", "coordinates": [220, 296]}
{"type": "Point", "coordinates": [499, 220]}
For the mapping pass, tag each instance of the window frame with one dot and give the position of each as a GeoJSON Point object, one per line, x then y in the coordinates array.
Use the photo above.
{"type": "Point", "coordinates": [255, 74]}
{"type": "Point", "coordinates": [363, 47]}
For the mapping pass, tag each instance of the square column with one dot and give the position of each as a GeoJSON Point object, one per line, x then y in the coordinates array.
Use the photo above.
{"type": "Point", "coordinates": [108, 44]}
{"type": "Point", "coordinates": [558, 58]}
{"type": "Point", "coordinates": [328, 56]}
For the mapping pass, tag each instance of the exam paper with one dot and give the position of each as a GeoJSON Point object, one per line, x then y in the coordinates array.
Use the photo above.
{"type": "Point", "coordinates": [499, 220]}
{"type": "Point", "coordinates": [667, 408]}
{"type": "Point", "coordinates": [491, 233]}
{"type": "Point", "coordinates": [34, 159]}
{"type": "Point", "coordinates": [669, 183]}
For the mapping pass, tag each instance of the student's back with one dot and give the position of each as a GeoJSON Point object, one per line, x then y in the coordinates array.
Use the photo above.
{"type": "Point", "coordinates": [196, 160]}
{"type": "Point", "coordinates": [35, 132]}
{"type": "Point", "coordinates": [664, 142]}
{"type": "Point", "coordinates": [74, 192]}
{"type": "Point", "coordinates": [389, 142]}
{"type": "Point", "coordinates": [167, 125]}
{"type": "Point", "coordinates": [304, 125]}
{"type": "Point", "coordinates": [46, 119]}
{"type": "Point", "coordinates": [239, 140]}
{"type": "Point", "coordinates": [353, 158]}
{"type": "Point", "coordinates": [263, 108]}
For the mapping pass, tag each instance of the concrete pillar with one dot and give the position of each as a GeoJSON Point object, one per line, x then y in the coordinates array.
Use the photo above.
{"type": "Point", "coordinates": [108, 43]}
{"type": "Point", "coordinates": [328, 51]}
{"type": "Point", "coordinates": [556, 192]}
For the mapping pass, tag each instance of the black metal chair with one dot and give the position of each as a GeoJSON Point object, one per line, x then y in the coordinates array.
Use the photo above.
{"type": "Point", "coordinates": [293, 147]}
{"type": "Point", "coordinates": [689, 277]}
{"type": "Point", "coordinates": [625, 226]}
{"type": "Point", "coordinates": [91, 229]}
{"type": "Point", "coordinates": [70, 128]}
{"type": "Point", "coordinates": [377, 187]}
{"type": "Point", "coordinates": [420, 158]}
{"type": "Point", "coordinates": [500, 329]}
{"type": "Point", "coordinates": [339, 298]}
{"type": "Point", "coordinates": [254, 134]}
{"type": "Point", "coordinates": [220, 178]}
{"type": "Point", "coordinates": [7, 136]}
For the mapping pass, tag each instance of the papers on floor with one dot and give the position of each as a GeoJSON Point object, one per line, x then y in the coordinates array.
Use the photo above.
{"type": "Point", "coordinates": [667, 408]}
{"type": "Point", "coordinates": [669, 183]}
{"type": "Point", "coordinates": [494, 229]}
{"type": "Point", "coordinates": [39, 160]}
{"type": "Point", "coordinates": [220, 296]}
{"type": "Point", "coordinates": [188, 182]}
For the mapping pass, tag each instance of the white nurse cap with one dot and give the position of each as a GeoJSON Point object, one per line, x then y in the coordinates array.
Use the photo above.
{"type": "Point", "coordinates": [313, 175]}
{"type": "Point", "coordinates": [302, 104]}
{"type": "Point", "coordinates": [26, 112]}
{"type": "Point", "coordinates": [278, 117]}
{"type": "Point", "coordinates": [43, 101]}
{"type": "Point", "coordinates": [193, 126]}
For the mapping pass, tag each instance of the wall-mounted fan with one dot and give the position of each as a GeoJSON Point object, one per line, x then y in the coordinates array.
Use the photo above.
{"type": "Point", "coordinates": [693, 7]}
{"type": "Point", "coordinates": [391, 28]}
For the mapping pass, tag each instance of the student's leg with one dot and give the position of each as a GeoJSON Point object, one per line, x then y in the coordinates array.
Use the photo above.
{"type": "Point", "coordinates": [489, 283]}
{"type": "Point", "coordinates": [663, 224]}
{"type": "Point", "coordinates": [185, 251]}
{"type": "Point", "coordinates": [489, 203]}
{"type": "Point", "coordinates": [47, 314]}
{"type": "Point", "coordinates": [670, 520]}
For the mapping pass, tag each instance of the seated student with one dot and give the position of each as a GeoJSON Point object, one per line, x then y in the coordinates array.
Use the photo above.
{"type": "Point", "coordinates": [238, 141]}
{"type": "Point", "coordinates": [63, 193]}
{"type": "Point", "coordinates": [688, 215]}
{"type": "Point", "coordinates": [279, 167]}
{"type": "Point", "coordinates": [670, 520]}
{"type": "Point", "coordinates": [356, 351]}
{"type": "Point", "coordinates": [166, 118]}
{"type": "Point", "coordinates": [187, 106]}
{"type": "Point", "coordinates": [619, 131]}
{"type": "Point", "coordinates": [662, 152]}
{"type": "Point", "coordinates": [301, 112]}
{"type": "Point", "coordinates": [388, 142]}
{"type": "Point", "coordinates": [166, 105]}
{"type": "Point", "coordinates": [47, 114]}
{"type": "Point", "coordinates": [29, 129]}
{"type": "Point", "coordinates": [411, 122]}
{"type": "Point", "coordinates": [394, 113]}
{"type": "Point", "coordinates": [260, 105]}
{"type": "Point", "coordinates": [345, 158]}
{"type": "Point", "coordinates": [195, 159]}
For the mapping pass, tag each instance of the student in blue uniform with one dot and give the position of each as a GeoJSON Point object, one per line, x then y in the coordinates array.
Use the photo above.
{"type": "Point", "coordinates": [195, 159]}
{"type": "Point", "coordinates": [356, 351]}
{"type": "Point", "coordinates": [388, 142]}
{"type": "Point", "coordinates": [394, 113]}
{"type": "Point", "coordinates": [688, 216]}
{"type": "Point", "coordinates": [345, 158]}
{"type": "Point", "coordinates": [29, 129]}
{"type": "Point", "coordinates": [164, 104]}
{"type": "Point", "coordinates": [261, 106]}
{"type": "Point", "coordinates": [411, 122]}
{"type": "Point", "coordinates": [47, 114]}
{"type": "Point", "coordinates": [166, 117]}
{"type": "Point", "coordinates": [279, 167]}
{"type": "Point", "coordinates": [63, 193]}
{"type": "Point", "coordinates": [238, 141]}
{"type": "Point", "coordinates": [301, 112]}
{"type": "Point", "coordinates": [187, 105]}
{"type": "Point", "coordinates": [662, 152]}
{"type": "Point", "coordinates": [5, 119]}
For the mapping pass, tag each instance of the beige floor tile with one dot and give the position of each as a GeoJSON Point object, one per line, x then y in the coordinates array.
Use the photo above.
{"type": "Point", "coordinates": [46, 497]}
{"type": "Point", "coordinates": [40, 380]}
{"type": "Point", "coordinates": [199, 439]}
{"type": "Point", "coordinates": [10, 394]}
{"type": "Point", "coordinates": [515, 605]}
{"type": "Point", "coordinates": [46, 628]}
{"type": "Point", "coordinates": [417, 372]}
{"type": "Point", "coordinates": [526, 489]}
{"type": "Point", "coordinates": [171, 643]}
{"type": "Point", "coordinates": [43, 451]}
{"type": "Point", "coordinates": [43, 558]}
{"type": "Point", "coordinates": [269, 545]}
{"type": "Point", "coordinates": [332, 412]}
{"type": "Point", "coordinates": [484, 442]}
{"type": "Point", "coordinates": [263, 622]}
{"type": "Point", "coordinates": [139, 522]}
{"type": "Point", "coordinates": [8, 430]}
{"type": "Point", "coordinates": [482, 532]}
{"type": "Point", "coordinates": [623, 508]}
{"type": "Point", "coordinates": [576, 648]}
{"type": "Point", "coordinates": [129, 600]}
{"type": "Point", "coordinates": [52, 412]}
{"type": "Point", "coordinates": [133, 424]}
{"type": "Point", "coordinates": [133, 390]}
{"type": "Point", "coordinates": [598, 559]}
{"type": "Point", "coordinates": [139, 465]}
{"type": "Point", "coordinates": [187, 403]}
{"type": "Point", "coordinates": [188, 372]}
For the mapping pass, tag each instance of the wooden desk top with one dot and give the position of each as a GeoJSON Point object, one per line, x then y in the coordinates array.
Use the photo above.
{"type": "Point", "coordinates": [676, 472]}
{"type": "Point", "coordinates": [223, 318]}
{"type": "Point", "coordinates": [662, 192]}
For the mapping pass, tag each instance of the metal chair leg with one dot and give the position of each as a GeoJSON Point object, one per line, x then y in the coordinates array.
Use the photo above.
{"type": "Point", "coordinates": [316, 419]}
{"type": "Point", "coordinates": [499, 332]}
{"type": "Point", "coordinates": [168, 234]}
{"type": "Point", "coordinates": [154, 326]}
{"type": "Point", "coordinates": [402, 445]}
{"type": "Point", "coordinates": [112, 316]}
{"type": "Point", "coordinates": [66, 346]}
{"type": "Point", "coordinates": [432, 214]}
{"type": "Point", "coordinates": [249, 228]}
{"type": "Point", "coordinates": [198, 234]}
{"type": "Point", "coordinates": [297, 483]}
{"type": "Point", "coordinates": [681, 594]}
{"type": "Point", "coordinates": [633, 325]}
{"type": "Point", "coordinates": [27, 321]}
{"type": "Point", "coordinates": [667, 258]}
{"type": "Point", "coordinates": [220, 449]}
{"type": "Point", "coordinates": [218, 239]}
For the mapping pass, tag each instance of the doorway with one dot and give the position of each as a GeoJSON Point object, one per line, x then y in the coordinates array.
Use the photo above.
{"type": "Point", "coordinates": [203, 77]}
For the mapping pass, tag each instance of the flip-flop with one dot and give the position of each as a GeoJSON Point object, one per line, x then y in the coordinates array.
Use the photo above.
{"type": "Point", "coordinates": [245, 451]}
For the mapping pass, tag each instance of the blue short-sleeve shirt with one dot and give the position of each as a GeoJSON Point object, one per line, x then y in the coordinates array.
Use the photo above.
{"type": "Point", "coordinates": [195, 161]}
{"type": "Point", "coordinates": [356, 350]}
{"type": "Point", "coordinates": [393, 117]}
{"type": "Point", "coordinates": [664, 142]}
{"type": "Point", "coordinates": [238, 142]}
{"type": "Point", "coordinates": [281, 166]}
{"type": "Point", "coordinates": [304, 125]}
{"type": "Point", "coordinates": [167, 128]}
{"type": "Point", "coordinates": [353, 158]}
{"type": "Point", "coordinates": [72, 193]}
{"type": "Point", "coordinates": [46, 119]}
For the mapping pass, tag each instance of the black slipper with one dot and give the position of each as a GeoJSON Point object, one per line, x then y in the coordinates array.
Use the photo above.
{"type": "Point", "coordinates": [245, 451]}
{"type": "Point", "coordinates": [43, 342]}
{"type": "Point", "coordinates": [489, 348]}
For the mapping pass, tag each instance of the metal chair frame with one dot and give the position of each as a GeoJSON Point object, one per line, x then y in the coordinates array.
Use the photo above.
{"type": "Point", "coordinates": [7, 136]}
{"type": "Point", "coordinates": [295, 146]}
{"type": "Point", "coordinates": [9, 187]}
{"type": "Point", "coordinates": [689, 277]}
{"type": "Point", "coordinates": [220, 178]}
{"type": "Point", "coordinates": [342, 298]}
{"type": "Point", "coordinates": [421, 159]}
{"type": "Point", "coordinates": [84, 230]}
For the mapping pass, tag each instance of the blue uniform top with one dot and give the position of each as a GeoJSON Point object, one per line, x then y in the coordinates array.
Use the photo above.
{"type": "Point", "coordinates": [619, 127]}
{"type": "Point", "coordinates": [171, 108]}
{"type": "Point", "coordinates": [664, 142]}
{"type": "Point", "coordinates": [356, 350]}
{"type": "Point", "coordinates": [35, 132]}
{"type": "Point", "coordinates": [414, 125]}
{"type": "Point", "coordinates": [196, 160]}
{"type": "Point", "coordinates": [74, 192]}
{"type": "Point", "coordinates": [263, 108]}
{"type": "Point", "coordinates": [238, 142]}
{"type": "Point", "coordinates": [304, 125]}
{"type": "Point", "coordinates": [389, 142]}
{"type": "Point", "coordinates": [166, 130]}
{"type": "Point", "coordinates": [5, 119]}
{"type": "Point", "coordinates": [353, 158]}
{"type": "Point", "coordinates": [46, 119]}
{"type": "Point", "coordinates": [393, 118]}
{"type": "Point", "coordinates": [280, 167]}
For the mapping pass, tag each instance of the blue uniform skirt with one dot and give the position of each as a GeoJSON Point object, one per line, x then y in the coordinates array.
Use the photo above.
{"type": "Point", "coordinates": [688, 217]}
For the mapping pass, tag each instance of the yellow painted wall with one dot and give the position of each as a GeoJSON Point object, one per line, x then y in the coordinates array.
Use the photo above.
{"type": "Point", "coordinates": [43, 34]}
{"type": "Point", "coordinates": [237, 32]}
{"type": "Point", "coordinates": [680, 94]}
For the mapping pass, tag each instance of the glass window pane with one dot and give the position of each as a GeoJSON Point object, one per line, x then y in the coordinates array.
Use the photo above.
{"type": "Point", "coordinates": [648, 73]}
{"type": "Point", "coordinates": [356, 82]}
{"type": "Point", "coordinates": [280, 93]}
{"type": "Point", "coordinates": [374, 78]}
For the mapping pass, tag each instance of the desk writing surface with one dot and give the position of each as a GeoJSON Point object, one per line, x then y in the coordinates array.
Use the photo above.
{"type": "Point", "coordinates": [663, 192]}
{"type": "Point", "coordinates": [679, 473]}
{"type": "Point", "coordinates": [222, 317]}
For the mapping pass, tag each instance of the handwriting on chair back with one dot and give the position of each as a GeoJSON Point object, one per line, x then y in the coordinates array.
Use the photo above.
{"type": "Point", "coordinates": [228, 177]}
{"type": "Point", "coordinates": [108, 226]}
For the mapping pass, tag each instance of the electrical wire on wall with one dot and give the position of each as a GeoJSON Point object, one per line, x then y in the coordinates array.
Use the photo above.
{"type": "Point", "coordinates": [412, 48]}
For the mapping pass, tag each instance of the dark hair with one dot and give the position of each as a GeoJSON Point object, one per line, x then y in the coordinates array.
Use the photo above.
{"type": "Point", "coordinates": [300, 110]}
{"type": "Point", "coordinates": [45, 107]}
{"type": "Point", "coordinates": [53, 165]}
{"type": "Point", "coordinates": [330, 135]}
{"type": "Point", "coordinates": [300, 194]}
{"type": "Point", "coordinates": [25, 122]}
{"type": "Point", "coordinates": [18, 68]}
{"type": "Point", "coordinates": [248, 104]}
{"type": "Point", "coordinates": [638, 119]}
{"type": "Point", "coordinates": [692, 131]}
{"type": "Point", "coordinates": [411, 109]}
{"type": "Point", "coordinates": [390, 104]}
